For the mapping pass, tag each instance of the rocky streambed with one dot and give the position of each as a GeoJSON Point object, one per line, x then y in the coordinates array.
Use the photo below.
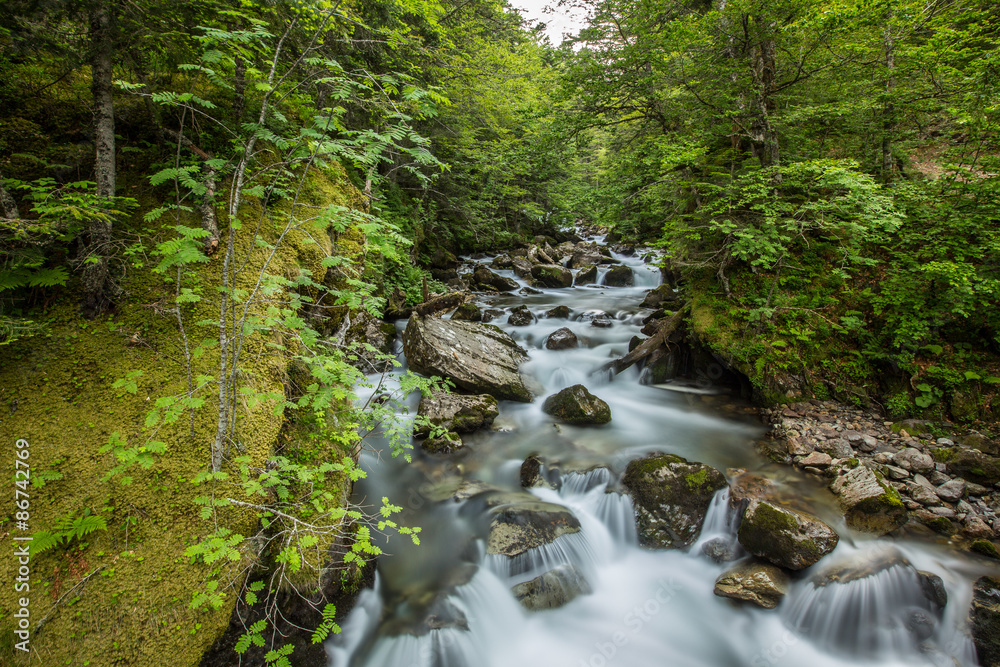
{"type": "Point", "coordinates": [588, 498]}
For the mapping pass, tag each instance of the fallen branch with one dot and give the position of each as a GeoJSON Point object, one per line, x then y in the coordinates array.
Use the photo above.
{"type": "Point", "coordinates": [648, 346]}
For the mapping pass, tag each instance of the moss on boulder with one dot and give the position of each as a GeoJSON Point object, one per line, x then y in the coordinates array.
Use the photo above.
{"type": "Point", "coordinates": [788, 538]}
{"type": "Point", "coordinates": [576, 405]}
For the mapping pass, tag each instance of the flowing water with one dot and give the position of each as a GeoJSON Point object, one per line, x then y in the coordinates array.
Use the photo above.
{"type": "Point", "coordinates": [446, 603]}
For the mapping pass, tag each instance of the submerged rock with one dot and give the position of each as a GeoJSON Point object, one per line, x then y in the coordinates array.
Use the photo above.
{"type": "Point", "coordinates": [479, 358]}
{"type": "Point", "coordinates": [461, 414]}
{"type": "Point", "coordinates": [761, 583]}
{"type": "Point", "coordinates": [869, 503]}
{"type": "Point", "coordinates": [445, 444]}
{"type": "Point", "coordinates": [552, 275]}
{"type": "Point", "coordinates": [671, 497]}
{"type": "Point", "coordinates": [553, 589]}
{"type": "Point", "coordinates": [517, 528]}
{"type": "Point", "coordinates": [789, 538]}
{"type": "Point", "coordinates": [561, 339]}
{"type": "Point", "coordinates": [619, 276]}
{"type": "Point", "coordinates": [576, 405]}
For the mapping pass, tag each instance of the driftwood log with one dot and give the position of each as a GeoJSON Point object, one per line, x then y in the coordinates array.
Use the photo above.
{"type": "Point", "coordinates": [648, 346]}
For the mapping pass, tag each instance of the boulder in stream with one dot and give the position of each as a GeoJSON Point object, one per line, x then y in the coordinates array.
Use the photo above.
{"type": "Point", "coordinates": [561, 312]}
{"type": "Point", "coordinates": [785, 537]}
{"type": "Point", "coordinates": [586, 254]}
{"type": "Point", "coordinates": [754, 581]}
{"type": "Point", "coordinates": [561, 339]}
{"type": "Point", "coordinates": [671, 496]}
{"type": "Point", "coordinates": [468, 312]}
{"type": "Point", "coordinates": [483, 277]}
{"type": "Point", "coordinates": [520, 317]}
{"type": "Point", "coordinates": [661, 297]}
{"type": "Point", "coordinates": [552, 275]}
{"type": "Point", "coordinates": [586, 275]}
{"type": "Point", "coordinates": [869, 503]}
{"type": "Point", "coordinates": [522, 526]}
{"type": "Point", "coordinates": [984, 619]}
{"type": "Point", "coordinates": [576, 405]}
{"type": "Point", "coordinates": [553, 589]}
{"type": "Point", "coordinates": [453, 412]}
{"type": "Point", "coordinates": [619, 276]}
{"type": "Point", "coordinates": [479, 358]}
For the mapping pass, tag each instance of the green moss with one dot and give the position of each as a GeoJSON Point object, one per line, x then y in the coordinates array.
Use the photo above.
{"type": "Point", "coordinates": [986, 548]}
{"type": "Point", "coordinates": [943, 454]}
{"type": "Point", "coordinates": [697, 479]}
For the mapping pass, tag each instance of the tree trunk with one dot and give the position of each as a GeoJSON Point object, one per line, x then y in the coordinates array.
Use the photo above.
{"type": "Point", "coordinates": [8, 207]}
{"type": "Point", "coordinates": [762, 134]}
{"type": "Point", "coordinates": [888, 110]}
{"type": "Point", "coordinates": [239, 87]}
{"type": "Point", "coordinates": [97, 295]}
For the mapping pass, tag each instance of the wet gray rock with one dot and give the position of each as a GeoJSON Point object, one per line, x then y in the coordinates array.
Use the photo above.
{"type": "Point", "coordinates": [483, 277]}
{"type": "Point", "coordinates": [491, 314]}
{"type": "Point", "coordinates": [837, 448]}
{"type": "Point", "coordinates": [561, 312]}
{"type": "Point", "coordinates": [561, 339]}
{"type": "Point", "coordinates": [586, 275]}
{"type": "Point", "coordinates": [817, 459]}
{"type": "Point", "coordinates": [552, 589]}
{"type": "Point", "coordinates": [448, 443]}
{"type": "Point", "coordinates": [785, 537]}
{"type": "Point", "coordinates": [454, 412]}
{"type": "Point", "coordinates": [754, 581]}
{"type": "Point", "coordinates": [522, 267]}
{"type": "Point", "coordinates": [517, 528]}
{"type": "Point", "coordinates": [722, 550]}
{"type": "Point", "coordinates": [576, 405]}
{"type": "Point", "coordinates": [552, 275]}
{"type": "Point", "coordinates": [534, 473]}
{"type": "Point", "coordinates": [952, 491]}
{"type": "Point", "coordinates": [586, 254]}
{"type": "Point", "coordinates": [984, 620]}
{"type": "Point", "coordinates": [602, 322]}
{"type": "Point", "coordinates": [520, 317]}
{"type": "Point", "coordinates": [661, 297]}
{"type": "Point", "coordinates": [973, 465]}
{"type": "Point", "coordinates": [671, 496]}
{"type": "Point", "coordinates": [479, 358]}
{"type": "Point", "coordinates": [869, 503]}
{"type": "Point", "coordinates": [914, 460]}
{"type": "Point", "coordinates": [619, 276]}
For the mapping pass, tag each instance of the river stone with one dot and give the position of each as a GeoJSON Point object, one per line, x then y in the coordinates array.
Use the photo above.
{"type": "Point", "coordinates": [761, 583]}
{"type": "Point", "coordinates": [502, 262]}
{"type": "Point", "coordinates": [952, 491]}
{"type": "Point", "coordinates": [491, 314]}
{"type": "Point", "coordinates": [553, 589]}
{"type": "Point", "coordinates": [552, 275]}
{"type": "Point", "coordinates": [619, 276]}
{"type": "Point", "coordinates": [817, 459]}
{"type": "Point", "coordinates": [722, 550]}
{"type": "Point", "coordinates": [788, 538]}
{"type": "Point", "coordinates": [520, 317]}
{"type": "Point", "coordinates": [361, 329]}
{"type": "Point", "coordinates": [515, 529]}
{"type": "Point", "coordinates": [561, 339]}
{"type": "Point", "coordinates": [468, 312]}
{"type": "Point", "coordinates": [461, 414]}
{"type": "Point", "coordinates": [479, 358]}
{"type": "Point", "coordinates": [660, 297]}
{"type": "Point", "coordinates": [484, 277]}
{"type": "Point", "coordinates": [576, 405]}
{"type": "Point", "coordinates": [914, 460]}
{"type": "Point", "coordinates": [534, 474]}
{"type": "Point", "coordinates": [585, 254]}
{"type": "Point", "coordinates": [971, 465]}
{"type": "Point", "coordinates": [586, 275]}
{"type": "Point", "coordinates": [561, 312]}
{"type": "Point", "coordinates": [837, 448]}
{"type": "Point", "coordinates": [522, 267]}
{"type": "Point", "coordinates": [984, 620]}
{"type": "Point", "coordinates": [671, 497]}
{"type": "Point", "coordinates": [444, 444]}
{"type": "Point", "coordinates": [869, 503]}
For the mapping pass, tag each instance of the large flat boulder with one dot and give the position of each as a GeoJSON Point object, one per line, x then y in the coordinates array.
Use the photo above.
{"type": "Point", "coordinates": [671, 496]}
{"type": "Point", "coordinates": [869, 503]}
{"type": "Point", "coordinates": [788, 538]}
{"type": "Point", "coordinates": [479, 358]}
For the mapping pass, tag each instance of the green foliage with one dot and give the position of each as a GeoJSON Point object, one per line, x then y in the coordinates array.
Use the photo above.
{"type": "Point", "coordinates": [66, 530]}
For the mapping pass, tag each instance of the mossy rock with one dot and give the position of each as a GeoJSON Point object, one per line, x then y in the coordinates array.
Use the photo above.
{"type": "Point", "coordinates": [788, 538]}
{"type": "Point", "coordinates": [671, 497]}
{"type": "Point", "coordinates": [984, 620]}
{"type": "Point", "coordinates": [460, 414]}
{"type": "Point", "coordinates": [468, 312]}
{"type": "Point", "coordinates": [586, 275]}
{"type": "Point", "coordinates": [576, 405]}
{"type": "Point", "coordinates": [552, 275]}
{"type": "Point", "coordinates": [619, 276]}
{"type": "Point", "coordinates": [869, 503]}
{"type": "Point", "coordinates": [985, 548]}
{"type": "Point", "coordinates": [974, 466]}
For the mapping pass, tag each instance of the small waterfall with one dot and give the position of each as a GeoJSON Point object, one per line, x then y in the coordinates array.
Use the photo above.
{"type": "Point", "coordinates": [574, 549]}
{"type": "Point", "coordinates": [876, 608]}
{"type": "Point", "coordinates": [358, 627]}
{"type": "Point", "coordinates": [614, 510]}
{"type": "Point", "coordinates": [718, 534]}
